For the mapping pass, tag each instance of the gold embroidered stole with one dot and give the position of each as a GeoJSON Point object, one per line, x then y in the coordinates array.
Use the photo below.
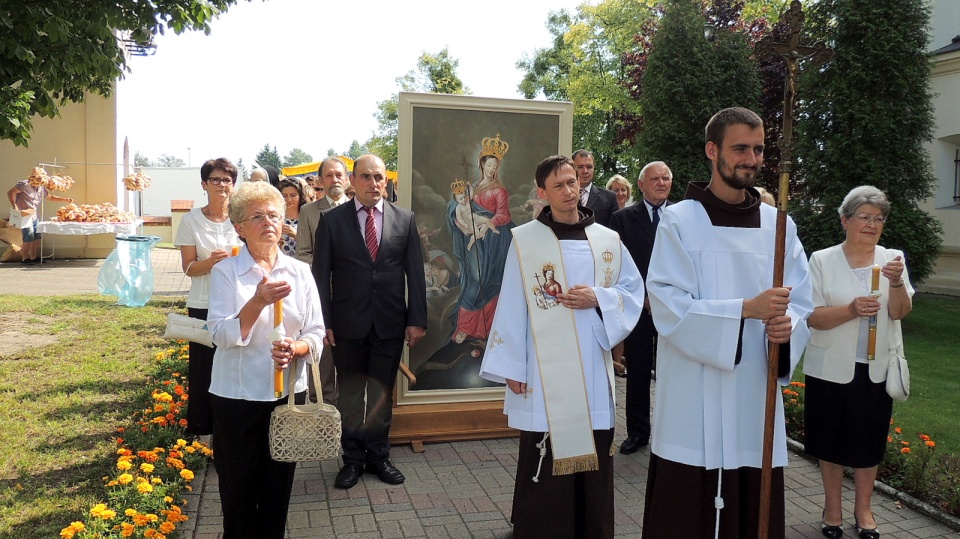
{"type": "Point", "coordinates": [556, 340]}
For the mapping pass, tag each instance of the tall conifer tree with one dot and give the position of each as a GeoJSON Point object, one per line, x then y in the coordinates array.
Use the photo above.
{"type": "Point", "coordinates": [687, 80]}
{"type": "Point", "coordinates": [865, 118]}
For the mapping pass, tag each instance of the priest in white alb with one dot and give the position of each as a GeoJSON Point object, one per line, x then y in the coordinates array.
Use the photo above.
{"type": "Point", "coordinates": [570, 292]}
{"type": "Point", "coordinates": [715, 307]}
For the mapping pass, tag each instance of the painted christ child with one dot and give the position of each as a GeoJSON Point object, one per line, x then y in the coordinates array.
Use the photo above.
{"type": "Point", "coordinates": [470, 222]}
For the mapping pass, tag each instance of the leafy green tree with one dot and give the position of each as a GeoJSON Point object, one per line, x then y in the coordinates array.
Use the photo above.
{"type": "Point", "coordinates": [140, 160]}
{"type": "Point", "coordinates": [687, 80]}
{"type": "Point", "coordinates": [171, 161]}
{"type": "Point", "coordinates": [269, 156]}
{"type": "Point", "coordinates": [588, 65]}
{"type": "Point", "coordinates": [865, 118]}
{"type": "Point", "coordinates": [356, 150]}
{"type": "Point", "coordinates": [435, 73]}
{"type": "Point", "coordinates": [331, 152]}
{"type": "Point", "coordinates": [53, 52]}
{"type": "Point", "coordinates": [297, 157]}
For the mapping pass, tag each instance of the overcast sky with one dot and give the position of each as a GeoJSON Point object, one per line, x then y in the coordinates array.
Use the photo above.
{"type": "Point", "coordinates": [309, 74]}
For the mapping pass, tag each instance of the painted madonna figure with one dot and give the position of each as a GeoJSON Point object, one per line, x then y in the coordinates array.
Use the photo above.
{"type": "Point", "coordinates": [481, 251]}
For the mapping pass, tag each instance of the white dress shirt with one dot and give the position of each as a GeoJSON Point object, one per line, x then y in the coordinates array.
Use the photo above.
{"type": "Point", "coordinates": [243, 368]}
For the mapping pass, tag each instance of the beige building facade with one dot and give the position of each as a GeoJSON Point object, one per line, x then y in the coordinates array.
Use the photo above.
{"type": "Point", "coordinates": [944, 148]}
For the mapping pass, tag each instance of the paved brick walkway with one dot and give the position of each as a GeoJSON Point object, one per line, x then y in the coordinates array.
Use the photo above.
{"type": "Point", "coordinates": [453, 490]}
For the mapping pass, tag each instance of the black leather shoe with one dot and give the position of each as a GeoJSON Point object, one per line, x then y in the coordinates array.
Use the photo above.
{"type": "Point", "coordinates": [348, 476]}
{"type": "Point", "coordinates": [632, 445]}
{"type": "Point", "coordinates": [386, 472]}
{"type": "Point", "coordinates": [866, 533]}
{"type": "Point", "coordinates": [833, 532]}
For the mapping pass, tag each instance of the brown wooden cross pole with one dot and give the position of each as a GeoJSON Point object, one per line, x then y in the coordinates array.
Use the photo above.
{"type": "Point", "coordinates": [792, 53]}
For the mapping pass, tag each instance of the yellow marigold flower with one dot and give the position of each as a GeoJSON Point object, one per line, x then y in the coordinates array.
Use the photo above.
{"type": "Point", "coordinates": [181, 442]}
{"type": "Point", "coordinates": [96, 510]}
{"type": "Point", "coordinates": [146, 467]}
{"type": "Point", "coordinates": [186, 474]}
{"type": "Point", "coordinates": [162, 396]}
{"type": "Point", "coordinates": [190, 449]}
{"type": "Point", "coordinates": [931, 443]}
{"type": "Point", "coordinates": [168, 499]}
{"type": "Point", "coordinates": [74, 528]}
{"type": "Point", "coordinates": [131, 512]}
{"type": "Point", "coordinates": [167, 527]}
{"type": "Point", "coordinates": [124, 479]}
{"type": "Point", "coordinates": [126, 529]}
{"type": "Point", "coordinates": [152, 517]}
{"type": "Point", "coordinates": [124, 465]}
{"type": "Point", "coordinates": [156, 481]}
{"type": "Point", "coordinates": [905, 450]}
{"type": "Point", "coordinates": [144, 488]}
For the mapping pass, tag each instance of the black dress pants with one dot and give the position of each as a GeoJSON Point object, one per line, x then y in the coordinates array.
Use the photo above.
{"type": "Point", "coordinates": [366, 373]}
{"type": "Point", "coordinates": [254, 488]}
{"type": "Point", "coordinates": [639, 350]}
{"type": "Point", "coordinates": [198, 379]}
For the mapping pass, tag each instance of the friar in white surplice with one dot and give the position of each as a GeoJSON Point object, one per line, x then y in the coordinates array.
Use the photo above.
{"type": "Point", "coordinates": [710, 284]}
{"type": "Point", "coordinates": [570, 292]}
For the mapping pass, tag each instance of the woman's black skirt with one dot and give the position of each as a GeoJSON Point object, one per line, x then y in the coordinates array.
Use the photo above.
{"type": "Point", "coordinates": [847, 424]}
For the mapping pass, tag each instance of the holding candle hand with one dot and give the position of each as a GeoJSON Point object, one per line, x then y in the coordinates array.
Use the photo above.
{"type": "Point", "coordinates": [864, 306]}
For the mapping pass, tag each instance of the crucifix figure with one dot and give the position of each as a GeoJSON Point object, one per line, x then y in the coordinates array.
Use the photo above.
{"type": "Point", "coordinates": [792, 53]}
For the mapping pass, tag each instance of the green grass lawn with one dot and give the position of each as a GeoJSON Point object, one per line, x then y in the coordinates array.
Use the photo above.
{"type": "Point", "coordinates": [931, 335]}
{"type": "Point", "coordinates": [61, 403]}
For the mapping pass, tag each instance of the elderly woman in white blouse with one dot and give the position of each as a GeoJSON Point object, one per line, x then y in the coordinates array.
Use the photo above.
{"type": "Point", "coordinates": [254, 489]}
{"type": "Point", "coordinates": [847, 410]}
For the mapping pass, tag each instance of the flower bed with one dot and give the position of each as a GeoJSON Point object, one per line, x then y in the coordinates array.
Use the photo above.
{"type": "Point", "coordinates": [155, 463]}
{"type": "Point", "coordinates": [910, 463]}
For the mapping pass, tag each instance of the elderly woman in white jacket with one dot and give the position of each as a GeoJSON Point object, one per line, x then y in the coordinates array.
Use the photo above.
{"type": "Point", "coordinates": [847, 409]}
{"type": "Point", "coordinates": [244, 290]}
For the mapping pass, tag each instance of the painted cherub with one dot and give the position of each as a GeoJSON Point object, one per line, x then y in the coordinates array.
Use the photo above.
{"type": "Point", "coordinates": [470, 222]}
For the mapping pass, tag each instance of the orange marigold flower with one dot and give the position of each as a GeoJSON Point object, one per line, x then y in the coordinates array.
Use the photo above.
{"type": "Point", "coordinates": [897, 430]}
{"type": "Point", "coordinates": [167, 527]}
{"type": "Point", "coordinates": [924, 437]}
{"type": "Point", "coordinates": [126, 529]}
{"type": "Point", "coordinates": [182, 423]}
{"type": "Point", "coordinates": [150, 534]}
{"type": "Point", "coordinates": [167, 382]}
{"type": "Point", "coordinates": [140, 520]}
{"type": "Point", "coordinates": [905, 450]}
{"type": "Point", "coordinates": [931, 443]}
{"type": "Point", "coordinates": [119, 441]}
{"type": "Point", "coordinates": [74, 528]}
{"type": "Point", "coordinates": [889, 439]}
{"type": "Point", "coordinates": [904, 442]}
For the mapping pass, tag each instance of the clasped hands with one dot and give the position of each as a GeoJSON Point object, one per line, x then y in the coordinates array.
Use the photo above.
{"type": "Point", "coordinates": [770, 306]}
{"type": "Point", "coordinates": [578, 297]}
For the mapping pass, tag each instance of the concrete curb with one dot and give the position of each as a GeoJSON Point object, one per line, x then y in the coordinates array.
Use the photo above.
{"type": "Point", "coordinates": [919, 506]}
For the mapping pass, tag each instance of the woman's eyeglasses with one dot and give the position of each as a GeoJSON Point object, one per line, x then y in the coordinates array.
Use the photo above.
{"type": "Point", "coordinates": [259, 218]}
{"type": "Point", "coordinates": [870, 220]}
{"type": "Point", "coordinates": [220, 181]}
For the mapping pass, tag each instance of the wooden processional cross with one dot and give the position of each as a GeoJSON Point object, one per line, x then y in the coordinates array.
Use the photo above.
{"type": "Point", "coordinates": [792, 53]}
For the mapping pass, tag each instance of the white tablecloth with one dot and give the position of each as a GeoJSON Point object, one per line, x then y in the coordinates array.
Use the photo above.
{"type": "Point", "coordinates": [85, 229]}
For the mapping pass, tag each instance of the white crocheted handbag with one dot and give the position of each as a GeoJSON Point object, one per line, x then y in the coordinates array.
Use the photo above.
{"type": "Point", "coordinates": [305, 432]}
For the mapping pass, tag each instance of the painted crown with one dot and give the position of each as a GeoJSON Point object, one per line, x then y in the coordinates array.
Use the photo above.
{"type": "Point", "coordinates": [607, 256]}
{"type": "Point", "coordinates": [495, 147]}
{"type": "Point", "coordinates": [458, 186]}
{"type": "Point", "coordinates": [549, 267]}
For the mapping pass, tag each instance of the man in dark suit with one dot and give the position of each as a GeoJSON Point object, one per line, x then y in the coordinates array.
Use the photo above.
{"type": "Point", "coordinates": [332, 178]}
{"type": "Point", "coordinates": [368, 254]}
{"type": "Point", "coordinates": [637, 226]}
{"type": "Point", "coordinates": [601, 201]}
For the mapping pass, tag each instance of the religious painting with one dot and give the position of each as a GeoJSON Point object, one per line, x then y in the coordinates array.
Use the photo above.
{"type": "Point", "coordinates": [466, 168]}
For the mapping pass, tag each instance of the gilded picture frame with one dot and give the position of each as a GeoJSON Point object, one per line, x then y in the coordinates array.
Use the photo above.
{"type": "Point", "coordinates": [466, 168]}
